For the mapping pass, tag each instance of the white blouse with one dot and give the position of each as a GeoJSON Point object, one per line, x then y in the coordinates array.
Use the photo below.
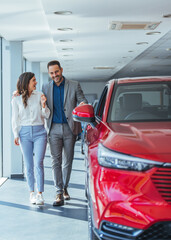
{"type": "Point", "coordinates": [32, 115]}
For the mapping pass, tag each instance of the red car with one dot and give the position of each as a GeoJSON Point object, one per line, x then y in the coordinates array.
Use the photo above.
{"type": "Point", "coordinates": [128, 159]}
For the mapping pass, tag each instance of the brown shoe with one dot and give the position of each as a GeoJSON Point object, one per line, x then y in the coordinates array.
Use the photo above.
{"type": "Point", "coordinates": [59, 200]}
{"type": "Point", "coordinates": [66, 195]}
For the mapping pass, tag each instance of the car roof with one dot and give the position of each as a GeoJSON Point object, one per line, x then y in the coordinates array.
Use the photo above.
{"type": "Point", "coordinates": [141, 79]}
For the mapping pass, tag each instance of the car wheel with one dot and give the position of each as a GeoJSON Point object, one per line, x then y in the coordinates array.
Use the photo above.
{"type": "Point", "coordinates": [91, 234]}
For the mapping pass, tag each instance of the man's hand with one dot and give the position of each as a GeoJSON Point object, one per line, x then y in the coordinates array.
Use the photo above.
{"type": "Point", "coordinates": [16, 141]}
{"type": "Point", "coordinates": [81, 103]}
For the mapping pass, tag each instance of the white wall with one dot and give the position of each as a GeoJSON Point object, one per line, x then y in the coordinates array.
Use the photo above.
{"type": "Point", "coordinates": [34, 67]}
{"type": "Point", "coordinates": [44, 77]}
{"type": "Point", "coordinates": [93, 88]}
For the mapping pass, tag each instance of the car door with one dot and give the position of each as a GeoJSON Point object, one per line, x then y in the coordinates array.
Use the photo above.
{"type": "Point", "coordinates": [92, 138]}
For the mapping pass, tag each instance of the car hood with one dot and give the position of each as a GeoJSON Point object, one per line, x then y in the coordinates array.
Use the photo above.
{"type": "Point", "coordinates": [150, 140]}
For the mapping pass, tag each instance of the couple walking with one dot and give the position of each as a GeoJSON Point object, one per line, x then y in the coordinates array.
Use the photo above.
{"type": "Point", "coordinates": [29, 111]}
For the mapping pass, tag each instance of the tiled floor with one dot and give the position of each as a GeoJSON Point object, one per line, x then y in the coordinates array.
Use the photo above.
{"type": "Point", "coordinates": [19, 220]}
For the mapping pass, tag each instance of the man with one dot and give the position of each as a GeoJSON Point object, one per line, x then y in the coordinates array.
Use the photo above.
{"type": "Point", "coordinates": [63, 96]}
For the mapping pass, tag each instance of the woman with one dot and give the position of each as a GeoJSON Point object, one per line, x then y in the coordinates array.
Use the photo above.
{"type": "Point", "coordinates": [28, 112]}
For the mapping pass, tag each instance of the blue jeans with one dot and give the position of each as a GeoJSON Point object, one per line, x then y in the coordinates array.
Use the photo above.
{"type": "Point", "coordinates": [33, 141]}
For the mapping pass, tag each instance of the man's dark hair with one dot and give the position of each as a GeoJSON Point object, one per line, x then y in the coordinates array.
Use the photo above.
{"type": "Point", "coordinates": [52, 63]}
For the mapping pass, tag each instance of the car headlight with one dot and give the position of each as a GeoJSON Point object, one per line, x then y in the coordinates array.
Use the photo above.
{"type": "Point", "coordinates": [112, 159]}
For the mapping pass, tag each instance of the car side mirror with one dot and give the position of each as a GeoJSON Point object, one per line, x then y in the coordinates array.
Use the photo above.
{"type": "Point", "coordinates": [84, 113]}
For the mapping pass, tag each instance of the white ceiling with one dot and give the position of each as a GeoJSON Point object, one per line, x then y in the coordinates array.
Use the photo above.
{"type": "Point", "coordinates": [91, 44]}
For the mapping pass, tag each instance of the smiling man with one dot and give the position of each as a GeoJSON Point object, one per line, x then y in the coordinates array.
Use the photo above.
{"type": "Point", "coordinates": [63, 95]}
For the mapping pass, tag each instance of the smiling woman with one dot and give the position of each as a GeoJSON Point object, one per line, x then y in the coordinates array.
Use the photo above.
{"type": "Point", "coordinates": [28, 113]}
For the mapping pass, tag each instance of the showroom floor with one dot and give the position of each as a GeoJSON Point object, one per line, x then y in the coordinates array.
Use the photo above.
{"type": "Point", "coordinates": [19, 220]}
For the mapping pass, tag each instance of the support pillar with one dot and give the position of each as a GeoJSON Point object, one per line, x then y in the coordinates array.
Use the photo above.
{"type": "Point", "coordinates": [11, 69]}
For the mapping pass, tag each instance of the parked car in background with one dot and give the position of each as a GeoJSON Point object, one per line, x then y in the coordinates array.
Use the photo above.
{"type": "Point", "coordinates": [128, 160]}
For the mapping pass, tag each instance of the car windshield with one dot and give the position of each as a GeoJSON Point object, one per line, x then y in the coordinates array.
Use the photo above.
{"type": "Point", "coordinates": [141, 102]}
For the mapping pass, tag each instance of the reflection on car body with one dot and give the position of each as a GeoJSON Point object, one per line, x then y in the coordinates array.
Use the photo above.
{"type": "Point", "coordinates": [128, 160]}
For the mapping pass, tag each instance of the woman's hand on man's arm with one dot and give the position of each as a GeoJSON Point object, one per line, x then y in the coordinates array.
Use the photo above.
{"type": "Point", "coordinates": [16, 141]}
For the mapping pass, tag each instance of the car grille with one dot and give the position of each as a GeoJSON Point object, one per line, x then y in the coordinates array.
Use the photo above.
{"type": "Point", "coordinates": [162, 181]}
{"type": "Point", "coordinates": [111, 230]}
{"type": "Point", "coordinates": [158, 231]}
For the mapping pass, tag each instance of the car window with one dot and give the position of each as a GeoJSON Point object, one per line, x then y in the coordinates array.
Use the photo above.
{"type": "Point", "coordinates": [95, 104]}
{"type": "Point", "coordinates": [101, 104]}
{"type": "Point", "coordinates": [141, 102]}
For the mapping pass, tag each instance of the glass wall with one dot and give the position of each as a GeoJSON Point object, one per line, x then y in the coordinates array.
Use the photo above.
{"type": "Point", "coordinates": [1, 152]}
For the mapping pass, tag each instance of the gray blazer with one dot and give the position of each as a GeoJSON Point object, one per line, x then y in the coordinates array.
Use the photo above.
{"type": "Point", "coordinates": [73, 95]}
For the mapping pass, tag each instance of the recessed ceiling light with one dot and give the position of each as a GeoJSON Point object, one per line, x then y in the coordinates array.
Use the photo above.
{"type": "Point", "coordinates": [152, 33]}
{"type": "Point", "coordinates": [103, 68]}
{"type": "Point", "coordinates": [65, 40]}
{"type": "Point", "coordinates": [63, 12]}
{"type": "Point", "coordinates": [67, 49]}
{"type": "Point", "coordinates": [64, 29]}
{"type": "Point", "coordinates": [141, 43]}
{"type": "Point", "coordinates": [167, 15]}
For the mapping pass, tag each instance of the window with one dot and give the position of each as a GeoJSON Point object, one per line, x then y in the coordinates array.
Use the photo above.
{"type": "Point", "coordinates": [101, 104]}
{"type": "Point", "coordinates": [1, 156]}
{"type": "Point", "coordinates": [141, 102]}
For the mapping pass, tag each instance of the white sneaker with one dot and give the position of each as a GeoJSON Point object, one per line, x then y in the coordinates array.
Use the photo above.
{"type": "Point", "coordinates": [39, 199]}
{"type": "Point", "coordinates": [32, 198]}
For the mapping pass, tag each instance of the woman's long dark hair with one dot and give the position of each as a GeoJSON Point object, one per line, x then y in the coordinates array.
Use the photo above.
{"type": "Point", "coordinates": [22, 86]}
